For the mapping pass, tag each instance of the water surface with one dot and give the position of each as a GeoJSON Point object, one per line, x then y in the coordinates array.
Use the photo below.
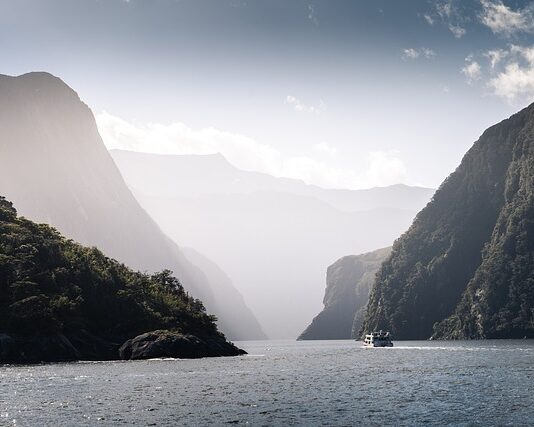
{"type": "Point", "coordinates": [285, 382]}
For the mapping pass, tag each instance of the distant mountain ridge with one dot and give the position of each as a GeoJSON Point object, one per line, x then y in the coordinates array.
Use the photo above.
{"type": "Point", "coordinates": [274, 237]}
{"type": "Point", "coordinates": [465, 268]}
{"type": "Point", "coordinates": [168, 179]}
{"type": "Point", "coordinates": [56, 169]}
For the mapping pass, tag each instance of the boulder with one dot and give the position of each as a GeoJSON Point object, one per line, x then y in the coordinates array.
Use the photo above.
{"type": "Point", "coordinates": [165, 343]}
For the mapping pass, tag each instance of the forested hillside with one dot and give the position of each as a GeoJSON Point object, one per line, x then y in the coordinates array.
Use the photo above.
{"type": "Point", "coordinates": [465, 267]}
{"type": "Point", "coordinates": [62, 301]}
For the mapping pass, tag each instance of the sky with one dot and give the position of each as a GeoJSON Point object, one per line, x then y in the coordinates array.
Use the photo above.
{"type": "Point", "coordinates": [341, 94]}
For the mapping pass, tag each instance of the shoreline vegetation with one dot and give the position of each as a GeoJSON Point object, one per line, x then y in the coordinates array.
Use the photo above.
{"type": "Point", "coordinates": [60, 301]}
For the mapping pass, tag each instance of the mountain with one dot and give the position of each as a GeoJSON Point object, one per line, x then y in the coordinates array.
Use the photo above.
{"type": "Point", "coordinates": [274, 237]}
{"type": "Point", "coordinates": [348, 282]}
{"type": "Point", "coordinates": [465, 268]}
{"type": "Point", "coordinates": [60, 301]}
{"type": "Point", "coordinates": [238, 317]}
{"type": "Point", "coordinates": [187, 176]}
{"type": "Point", "coordinates": [56, 169]}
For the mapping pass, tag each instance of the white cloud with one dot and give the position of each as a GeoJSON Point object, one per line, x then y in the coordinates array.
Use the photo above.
{"type": "Point", "coordinates": [312, 15]}
{"type": "Point", "coordinates": [380, 167]}
{"type": "Point", "coordinates": [503, 20]}
{"type": "Point", "coordinates": [509, 71]}
{"type": "Point", "coordinates": [324, 148]}
{"type": "Point", "coordinates": [495, 56]}
{"type": "Point", "coordinates": [457, 31]}
{"type": "Point", "coordinates": [385, 168]}
{"type": "Point", "coordinates": [514, 82]}
{"type": "Point", "coordinates": [410, 53]}
{"type": "Point", "coordinates": [515, 79]}
{"type": "Point", "coordinates": [299, 106]}
{"type": "Point", "coordinates": [423, 52]}
{"type": "Point", "coordinates": [447, 11]}
{"type": "Point", "coordinates": [472, 70]}
{"type": "Point", "coordinates": [178, 138]}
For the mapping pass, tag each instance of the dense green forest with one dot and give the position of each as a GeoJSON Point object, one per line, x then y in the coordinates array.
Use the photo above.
{"type": "Point", "coordinates": [465, 267]}
{"type": "Point", "coordinates": [51, 286]}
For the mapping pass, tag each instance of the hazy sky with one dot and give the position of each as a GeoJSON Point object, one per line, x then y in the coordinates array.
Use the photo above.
{"type": "Point", "coordinates": [338, 93]}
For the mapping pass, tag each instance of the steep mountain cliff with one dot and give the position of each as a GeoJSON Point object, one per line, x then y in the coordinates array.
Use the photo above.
{"type": "Point", "coordinates": [238, 318]}
{"type": "Point", "coordinates": [55, 168]}
{"type": "Point", "coordinates": [348, 282]}
{"type": "Point", "coordinates": [465, 267]}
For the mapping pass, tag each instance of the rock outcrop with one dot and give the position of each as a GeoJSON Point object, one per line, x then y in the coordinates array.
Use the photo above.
{"type": "Point", "coordinates": [348, 282]}
{"type": "Point", "coordinates": [159, 344]}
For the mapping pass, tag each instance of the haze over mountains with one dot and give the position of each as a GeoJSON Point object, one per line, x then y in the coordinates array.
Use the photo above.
{"type": "Point", "coordinates": [274, 237]}
{"type": "Point", "coordinates": [55, 168]}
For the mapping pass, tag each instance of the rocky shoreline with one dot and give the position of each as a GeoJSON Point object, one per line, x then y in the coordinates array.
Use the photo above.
{"type": "Point", "coordinates": [83, 346]}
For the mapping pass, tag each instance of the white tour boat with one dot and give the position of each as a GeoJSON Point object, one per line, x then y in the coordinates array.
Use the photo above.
{"type": "Point", "coordinates": [378, 339]}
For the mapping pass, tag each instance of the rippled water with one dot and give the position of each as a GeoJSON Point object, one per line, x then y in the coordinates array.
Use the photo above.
{"type": "Point", "coordinates": [304, 383]}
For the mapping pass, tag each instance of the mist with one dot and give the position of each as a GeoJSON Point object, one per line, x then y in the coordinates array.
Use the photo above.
{"type": "Point", "coordinates": [266, 212]}
{"type": "Point", "coordinates": [274, 237]}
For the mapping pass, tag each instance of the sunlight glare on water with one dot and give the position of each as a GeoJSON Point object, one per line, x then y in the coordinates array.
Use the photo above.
{"type": "Point", "coordinates": [285, 382]}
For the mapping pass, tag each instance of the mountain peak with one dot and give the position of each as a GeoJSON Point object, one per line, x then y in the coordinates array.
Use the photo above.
{"type": "Point", "coordinates": [40, 82]}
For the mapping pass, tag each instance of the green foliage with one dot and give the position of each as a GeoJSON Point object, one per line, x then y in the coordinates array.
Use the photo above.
{"type": "Point", "coordinates": [465, 268]}
{"type": "Point", "coordinates": [49, 284]}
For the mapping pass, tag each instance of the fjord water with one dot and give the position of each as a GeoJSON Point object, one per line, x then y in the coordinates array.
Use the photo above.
{"type": "Point", "coordinates": [285, 382]}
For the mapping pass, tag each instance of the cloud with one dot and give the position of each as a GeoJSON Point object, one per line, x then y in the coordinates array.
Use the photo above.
{"type": "Point", "coordinates": [312, 15]}
{"type": "Point", "coordinates": [457, 31]}
{"type": "Point", "coordinates": [423, 52]}
{"type": "Point", "coordinates": [472, 70]}
{"type": "Point", "coordinates": [385, 168]}
{"type": "Point", "coordinates": [514, 80]}
{"type": "Point", "coordinates": [449, 13]}
{"type": "Point", "coordinates": [380, 168]}
{"type": "Point", "coordinates": [299, 106]}
{"type": "Point", "coordinates": [509, 72]}
{"type": "Point", "coordinates": [495, 56]}
{"type": "Point", "coordinates": [324, 148]}
{"type": "Point", "coordinates": [505, 21]}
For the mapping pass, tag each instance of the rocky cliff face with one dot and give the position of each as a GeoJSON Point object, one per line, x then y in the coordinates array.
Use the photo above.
{"type": "Point", "coordinates": [348, 282]}
{"type": "Point", "coordinates": [56, 169]}
{"type": "Point", "coordinates": [465, 267]}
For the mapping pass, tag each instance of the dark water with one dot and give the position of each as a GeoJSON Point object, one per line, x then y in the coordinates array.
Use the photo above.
{"type": "Point", "coordinates": [281, 383]}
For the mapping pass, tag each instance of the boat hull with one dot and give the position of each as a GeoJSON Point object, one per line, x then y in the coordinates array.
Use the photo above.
{"type": "Point", "coordinates": [376, 345]}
